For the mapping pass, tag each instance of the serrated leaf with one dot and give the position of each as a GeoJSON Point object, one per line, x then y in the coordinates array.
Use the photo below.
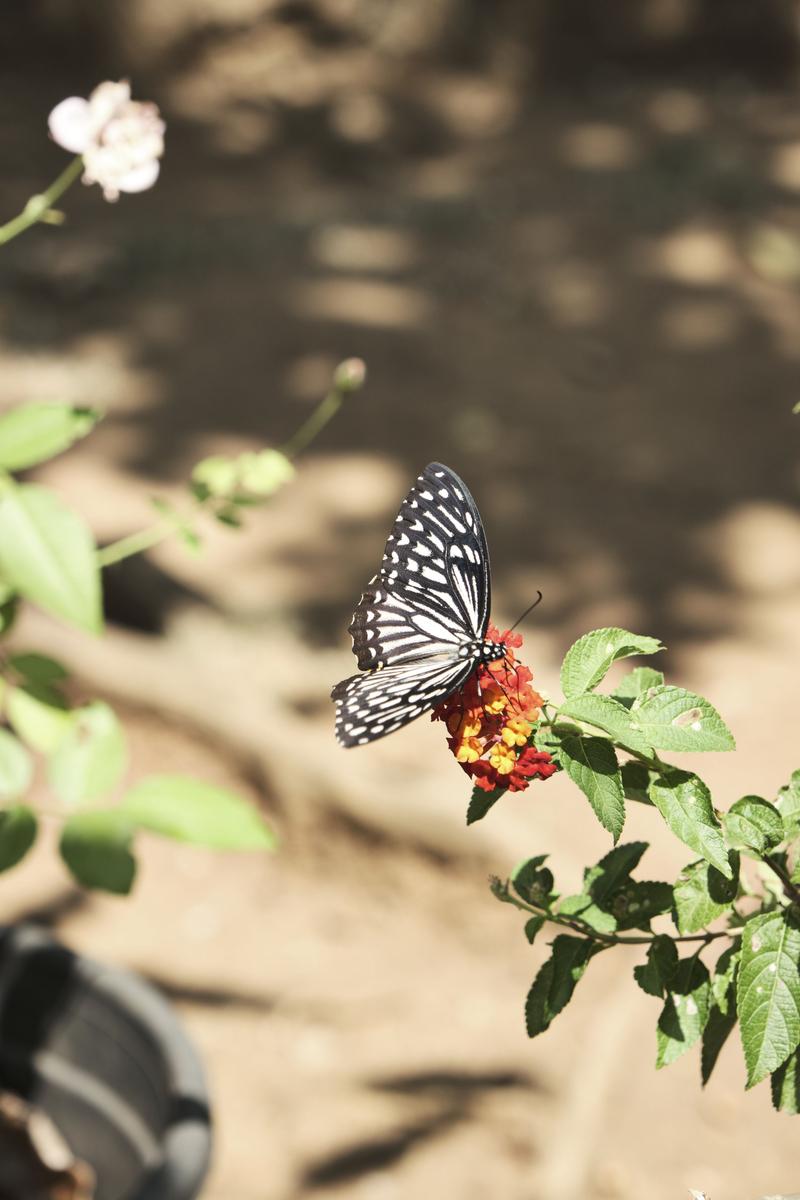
{"type": "Point", "coordinates": [685, 1012]}
{"type": "Point", "coordinates": [638, 901]}
{"type": "Point", "coordinates": [592, 764]}
{"type": "Point", "coordinates": [190, 810]}
{"type": "Point", "coordinates": [18, 829]}
{"type": "Point", "coordinates": [636, 780]}
{"type": "Point", "coordinates": [609, 715]}
{"type": "Point", "coordinates": [39, 716]}
{"type": "Point", "coordinates": [47, 554]}
{"type": "Point", "coordinates": [587, 660]}
{"type": "Point", "coordinates": [613, 869]}
{"type": "Point", "coordinates": [788, 805]}
{"type": "Point", "coordinates": [725, 975]}
{"type": "Point", "coordinates": [34, 433]}
{"type": "Point", "coordinates": [768, 993]}
{"type": "Point", "coordinates": [655, 974]}
{"type": "Point", "coordinates": [96, 846]}
{"type": "Point", "coordinates": [532, 927]}
{"type": "Point", "coordinates": [582, 906]}
{"type": "Point", "coordinates": [637, 683]}
{"type": "Point", "coordinates": [553, 987]}
{"type": "Point", "coordinates": [715, 1035]}
{"type": "Point", "coordinates": [684, 802]}
{"type": "Point", "coordinates": [753, 824]}
{"type": "Point", "coordinates": [91, 758]}
{"type": "Point", "coordinates": [481, 802]}
{"type": "Point", "coordinates": [670, 718]}
{"type": "Point", "coordinates": [532, 881]}
{"type": "Point", "coordinates": [786, 1086]}
{"type": "Point", "coordinates": [702, 893]}
{"type": "Point", "coordinates": [16, 768]}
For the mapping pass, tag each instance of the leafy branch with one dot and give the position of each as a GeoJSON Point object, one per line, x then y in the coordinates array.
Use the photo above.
{"type": "Point", "coordinates": [612, 746]}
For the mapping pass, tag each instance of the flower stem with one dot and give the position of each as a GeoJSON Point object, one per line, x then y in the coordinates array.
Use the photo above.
{"type": "Point", "coordinates": [606, 939]}
{"type": "Point", "coordinates": [322, 414]}
{"type": "Point", "coordinates": [135, 543]}
{"type": "Point", "coordinates": [39, 207]}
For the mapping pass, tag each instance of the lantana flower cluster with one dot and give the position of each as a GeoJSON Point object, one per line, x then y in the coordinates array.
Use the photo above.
{"type": "Point", "coordinates": [490, 721]}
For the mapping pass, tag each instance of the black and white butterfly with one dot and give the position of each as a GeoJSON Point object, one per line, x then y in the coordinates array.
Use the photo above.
{"type": "Point", "coordinates": [419, 630]}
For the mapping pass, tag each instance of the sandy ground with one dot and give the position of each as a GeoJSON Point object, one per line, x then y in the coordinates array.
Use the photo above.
{"type": "Point", "coordinates": [586, 302]}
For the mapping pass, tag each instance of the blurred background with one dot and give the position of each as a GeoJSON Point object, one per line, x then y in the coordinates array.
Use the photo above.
{"type": "Point", "coordinates": [565, 238]}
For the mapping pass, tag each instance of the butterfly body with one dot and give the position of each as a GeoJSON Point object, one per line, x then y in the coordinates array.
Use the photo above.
{"type": "Point", "coordinates": [419, 629]}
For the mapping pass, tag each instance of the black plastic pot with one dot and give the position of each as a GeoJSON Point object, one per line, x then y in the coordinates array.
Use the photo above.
{"type": "Point", "coordinates": [104, 1055]}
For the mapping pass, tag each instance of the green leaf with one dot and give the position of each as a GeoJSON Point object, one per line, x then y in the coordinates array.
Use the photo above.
{"type": "Point", "coordinates": [788, 805]}
{"type": "Point", "coordinates": [655, 974]}
{"type": "Point", "coordinates": [9, 607]}
{"type": "Point", "coordinates": [35, 432]}
{"type": "Point", "coordinates": [592, 764]}
{"type": "Point", "coordinates": [670, 718]}
{"type": "Point", "coordinates": [532, 927]}
{"type": "Point", "coordinates": [480, 803]}
{"type": "Point", "coordinates": [47, 554]}
{"type": "Point", "coordinates": [588, 660]}
{"type": "Point", "coordinates": [702, 893]}
{"type": "Point", "coordinates": [753, 824]}
{"type": "Point", "coordinates": [613, 869]}
{"type": "Point", "coordinates": [40, 716]}
{"type": "Point", "coordinates": [16, 767]}
{"type": "Point", "coordinates": [724, 975]}
{"type": "Point", "coordinates": [90, 760]}
{"type": "Point", "coordinates": [38, 669]}
{"type": "Point", "coordinates": [684, 802]}
{"type": "Point", "coordinates": [218, 474]}
{"type": "Point", "coordinates": [96, 846]}
{"type": "Point", "coordinates": [189, 810]}
{"type": "Point", "coordinates": [637, 683]}
{"type": "Point", "coordinates": [685, 1012]}
{"type": "Point", "coordinates": [786, 1086]}
{"type": "Point", "coordinates": [553, 987]}
{"type": "Point", "coordinates": [715, 1035]}
{"type": "Point", "coordinates": [264, 472]}
{"type": "Point", "coordinates": [18, 829]}
{"type": "Point", "coordinates": [609, 715]}
{"type": "Point", "coordinates": [582, 905]}
{"type": "Point", "coordinates": [639, 900]}
{"type": "Point", "coordinates": [636, 779]}
{"type": "Point", "coordinates": [768, 993]}
{"type": "Point", "coordinates": [533, 882]}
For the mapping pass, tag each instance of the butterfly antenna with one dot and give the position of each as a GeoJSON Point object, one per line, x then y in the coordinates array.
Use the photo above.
{"type": "Point", "coordinates": [530, 608]}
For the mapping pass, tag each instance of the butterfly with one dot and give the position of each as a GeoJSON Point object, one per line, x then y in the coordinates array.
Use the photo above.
{"type": "Point", "coordinates": [419, 630]}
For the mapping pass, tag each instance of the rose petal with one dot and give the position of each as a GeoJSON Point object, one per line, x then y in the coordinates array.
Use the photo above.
{"type": "Point", "coordinates": [140, 178]}
{"type": "Point", "coordinates": [107, 100]}
{"type": "Point", "coordinates": [70, 124]}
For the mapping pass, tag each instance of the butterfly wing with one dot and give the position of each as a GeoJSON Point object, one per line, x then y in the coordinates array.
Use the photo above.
{"type": "Point", "coordinates": [432, 592]}
{"type": "Point", "coordinates": [378, 702]}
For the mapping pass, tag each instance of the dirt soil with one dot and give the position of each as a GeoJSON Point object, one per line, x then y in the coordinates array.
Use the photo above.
{"type": "Point", "coordinates": [582, 295]}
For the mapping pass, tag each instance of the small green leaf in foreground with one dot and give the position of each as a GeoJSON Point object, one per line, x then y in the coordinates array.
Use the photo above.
{"type": "Point", "coordinates": [96, 846]}
{"type": "Point", "coordinates": [16, 767]}
{"type": "Point", "coordinates": [33, 433]}
{"type": "Point", "coordinates": [189, 810]}
{"type": "Point", "coordinates": [655, 974]}
{"type": "Point", "coordinates": [47, 554]}
{"type": "Point", "coordinates": [18, 828]}
{"type": "Point", "coordinates": [91, 758]}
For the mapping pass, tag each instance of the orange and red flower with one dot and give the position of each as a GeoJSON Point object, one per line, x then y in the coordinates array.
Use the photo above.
{"type": "Point", "coordinates": [491, 719]}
